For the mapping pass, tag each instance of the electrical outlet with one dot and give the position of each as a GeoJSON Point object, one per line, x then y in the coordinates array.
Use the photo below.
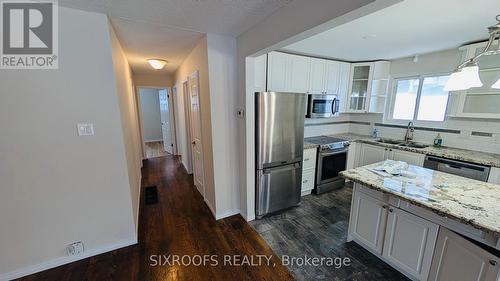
{"type": "Point", "coordinates": [75, 249]}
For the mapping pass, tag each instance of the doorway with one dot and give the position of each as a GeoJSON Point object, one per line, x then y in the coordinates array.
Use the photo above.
{"type": "Point", "coordinates": [157, 128]}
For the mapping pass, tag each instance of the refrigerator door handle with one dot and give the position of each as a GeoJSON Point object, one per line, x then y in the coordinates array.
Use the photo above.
{"type": "Point", "coordinates": [292, 166]}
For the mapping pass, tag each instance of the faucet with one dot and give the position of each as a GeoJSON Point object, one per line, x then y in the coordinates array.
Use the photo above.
{"type": "Point", "coordinates": [409, 132]}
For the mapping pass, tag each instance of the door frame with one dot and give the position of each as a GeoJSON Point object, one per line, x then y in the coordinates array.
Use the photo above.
{"type": "Point", "coordinates": [140, 117]}
{"type": "Point", "coordinates": [187, 117]}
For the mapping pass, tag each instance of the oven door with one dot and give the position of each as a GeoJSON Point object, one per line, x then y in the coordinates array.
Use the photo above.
{"type": "Point", "coordinates": [322, 106]}
{"type": "Point", "coordinates": [330, 164]}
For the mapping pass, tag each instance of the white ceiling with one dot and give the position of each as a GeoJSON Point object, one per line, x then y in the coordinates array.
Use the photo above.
{"type": "Point", "coordinates": [169, 29]}
{"type": "Point", "coordinates": [405, 29]}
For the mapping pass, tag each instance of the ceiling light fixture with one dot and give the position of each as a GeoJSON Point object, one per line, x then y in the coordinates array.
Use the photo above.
{"type": "Point", "coordinates": [466, 75]}
{"type": "Point", "coordinates": [157, 63]}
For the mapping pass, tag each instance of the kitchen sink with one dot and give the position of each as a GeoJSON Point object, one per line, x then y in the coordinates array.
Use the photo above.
{"type": "Point", "coordinates": [415, 145]}
{"type": "Point", "coordinates": [389, 141]}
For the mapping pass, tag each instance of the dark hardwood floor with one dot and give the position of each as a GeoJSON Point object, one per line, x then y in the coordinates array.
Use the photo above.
{"type": "Point", "coordinates": [318, 228]}
{"type": "Point", "coordinates": [179, 224]}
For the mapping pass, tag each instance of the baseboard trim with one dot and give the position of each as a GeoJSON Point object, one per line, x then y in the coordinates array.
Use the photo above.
{"type": "Point", "coordinates": [28, 270]}
{"type": "Point", "coordinates": [227, 214]}
{"type": "Point", "coordinates": [210, 207]}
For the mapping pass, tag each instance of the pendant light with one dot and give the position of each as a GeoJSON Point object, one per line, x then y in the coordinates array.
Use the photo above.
{"type": "Point", "coordinates": [466, 75]}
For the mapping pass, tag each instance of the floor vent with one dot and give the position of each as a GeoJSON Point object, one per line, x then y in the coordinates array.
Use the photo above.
{"type": "Point", "coordinates": [151, 195]}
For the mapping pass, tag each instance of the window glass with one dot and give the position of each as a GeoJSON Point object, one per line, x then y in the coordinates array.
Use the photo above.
{"type": "Point", "coordinates": [405, 99]}
{"type": "Point", "coordinates": [433, 100]}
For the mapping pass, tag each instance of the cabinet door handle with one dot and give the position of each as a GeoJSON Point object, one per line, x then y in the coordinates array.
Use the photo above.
{"type": "Point", "coordinates": [493, 262]}
{"type": "Point", "coordinates": [307, 159]}
{"type": "Point", "coordinates": [384, 207]}
{"type": "Point", "coordinates": [391, 210]}
{"type": "Point", "coordinates": [305, 181]}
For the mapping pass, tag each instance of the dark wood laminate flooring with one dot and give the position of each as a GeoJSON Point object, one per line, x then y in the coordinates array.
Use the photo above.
{"type": "Point", "coordinates": [318, 228]}
{"type": "Point", "coordinates": [180, 224]}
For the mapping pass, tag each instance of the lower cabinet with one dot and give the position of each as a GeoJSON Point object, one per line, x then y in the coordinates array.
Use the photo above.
{"type": "Point", "coordinates": [308, 171]}
{"type": "Point", "coordinates": [401, 239]}
{"type": "Point", "coordinates": [456, 258]}
{"type": "Point", "coordinates": [409, 243]}
{"type": "Point", "coordinates": [367, 221]}
{"type": "Point", "coordinates": [369, 154]}
{"type": "Point", "coordinates": [494, 176]}
{"type": "Point", "coordinates": [411, 158]}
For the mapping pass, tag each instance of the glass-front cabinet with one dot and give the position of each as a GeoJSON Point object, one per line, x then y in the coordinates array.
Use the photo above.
{"type": "Point", "coordinates": [479, 102]}
{"type": "Point", "coordinates": [368, 87]}
{"type": "Point", "coordinates": [361, 74]}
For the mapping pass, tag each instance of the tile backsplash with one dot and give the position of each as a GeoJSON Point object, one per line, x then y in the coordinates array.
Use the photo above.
{"type": "Point", "coordinates": [479, 135]}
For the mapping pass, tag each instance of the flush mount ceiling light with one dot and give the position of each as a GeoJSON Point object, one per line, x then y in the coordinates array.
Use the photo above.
{"type": "Point", "coordinates": [466, 75]}
{"type": "Point", "coordinates": [157, 63]}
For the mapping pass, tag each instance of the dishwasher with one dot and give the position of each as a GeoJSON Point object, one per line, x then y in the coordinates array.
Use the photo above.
{"type": "Point", "coordinates": [459, 168]}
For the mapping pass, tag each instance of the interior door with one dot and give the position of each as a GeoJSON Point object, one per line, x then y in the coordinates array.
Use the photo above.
{"type": "Point", "coordinates": [165, 120]}
{"type": "Point", "coordinates": [196, 140]}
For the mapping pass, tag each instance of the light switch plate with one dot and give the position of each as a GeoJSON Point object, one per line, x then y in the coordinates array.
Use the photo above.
{"type": "Point", "coordinates": [85, 129]}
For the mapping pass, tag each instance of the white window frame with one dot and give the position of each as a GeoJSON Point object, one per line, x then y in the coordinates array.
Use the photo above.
{"type": "Point", "coordinates": [388, 117]}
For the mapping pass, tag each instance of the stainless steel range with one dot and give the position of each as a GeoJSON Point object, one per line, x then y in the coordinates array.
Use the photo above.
{"type": "Point", "coordinates": [332, 159]}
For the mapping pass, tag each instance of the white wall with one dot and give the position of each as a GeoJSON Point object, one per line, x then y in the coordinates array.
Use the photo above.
{"type": "Point", "coordinates": [153, 80]}
{"type": "Point", "coordinates": [294, 22]}
{"type": "Point", "coordinates": [223, 103]}
{"type": "Point", "coordinates": [56, 187]}
{"type": "Point", "coordinates": [150, 113]}
{"type": "Point", "coordinates": [197, 60]}
{"type": "Point", "coordinates": [128, 105]}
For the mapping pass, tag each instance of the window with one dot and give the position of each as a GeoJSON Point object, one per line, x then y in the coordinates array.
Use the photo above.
{"type": "Point", "coordinates": [420, 99]}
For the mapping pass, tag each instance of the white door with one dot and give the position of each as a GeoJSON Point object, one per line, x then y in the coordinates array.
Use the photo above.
{"type": "Point", "coordinates": [411, 158]}
{"type": "Point", "coordinates": [196, 140]}
{"type": "Point", "coordinates": [165, 120]}
{"type": "Point", "coordinates": [368, 220]}
{"type": "Point", "coordinates": [188, 158]}
{"type": "Point", "coordinates": [370, 154]}
{"type": "Point", "coordinates": [456, 258]}
{"type": "Point", "coordinates": [409, 243]}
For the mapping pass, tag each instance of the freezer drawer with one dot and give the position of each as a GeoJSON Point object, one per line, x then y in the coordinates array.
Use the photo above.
{"type": "Point", "coordinates": [278, 188]}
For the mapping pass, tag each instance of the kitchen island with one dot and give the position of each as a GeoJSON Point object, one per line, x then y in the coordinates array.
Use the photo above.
{"type": "Point", "coordinates": [436, 226]}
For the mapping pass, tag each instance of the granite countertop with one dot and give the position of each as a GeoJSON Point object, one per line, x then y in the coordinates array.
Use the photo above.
{"type": "Point", "coordinates": [308, 145]}
{"type": "Point", "coordinates": [477, 157]}
{"type": "Point", "coordinates": [468, 201]}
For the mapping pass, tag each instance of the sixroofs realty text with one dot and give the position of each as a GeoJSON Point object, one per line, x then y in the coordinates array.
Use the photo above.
{"type": "Point", "coordinates": [245, 260]}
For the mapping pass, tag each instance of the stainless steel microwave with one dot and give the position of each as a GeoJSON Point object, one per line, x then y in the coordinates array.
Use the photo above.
{"type": "Point", "coordinates": [322, 106]}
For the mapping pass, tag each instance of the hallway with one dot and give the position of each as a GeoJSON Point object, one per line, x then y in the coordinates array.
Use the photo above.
{"type": "Point", "coordinates": [179, 224]}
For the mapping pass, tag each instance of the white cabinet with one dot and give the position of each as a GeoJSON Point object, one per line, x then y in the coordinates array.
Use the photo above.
{"type": "Point", "coordinates": [369, 154]}
{"type": "Point", "coordinates": [368, 87]}
{"type": "Point", "coordinates": [260, 65]}
{"type": "Point", "coordinates": [288, 73]}
{"type": "Point", "coordinates": [411, 158]}
{"type": "Point", "coordinates": [329, 77]}
{"type": "Point", "coordinates": [353, 155]}
{"type": "Point", "coordinates": [494, 176]}
{"type": "Point", "coordinates": [344, 79]}
{"type": "Point", "coordinates": [317, 80]}
{"type": "Point", "coordinates": [409, 243]}
{"type": "Point", "coordinates": [456, 258]}
{"type": "Point", "coordinates": [367, 221]}
{"type": "Point", "coordinates": [308, 170]}
{"type": "Point", "coordinates": [277, 72]}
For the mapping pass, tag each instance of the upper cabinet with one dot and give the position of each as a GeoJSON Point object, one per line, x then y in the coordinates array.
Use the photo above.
{"type": "Point", "coordinates": [478, 102]}
{"type": "Point", "coordinates": [288, 73]}
{"type": "Point", "coordinates": [361, 87]}
{"type": "Point", "coordinates": [368, 87]}
{"type": "Point", "coordinates": [260, 73]}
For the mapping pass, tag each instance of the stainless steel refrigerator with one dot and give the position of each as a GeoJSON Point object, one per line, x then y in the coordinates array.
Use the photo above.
{"type": "Point", "coordinates": [279, 132]}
